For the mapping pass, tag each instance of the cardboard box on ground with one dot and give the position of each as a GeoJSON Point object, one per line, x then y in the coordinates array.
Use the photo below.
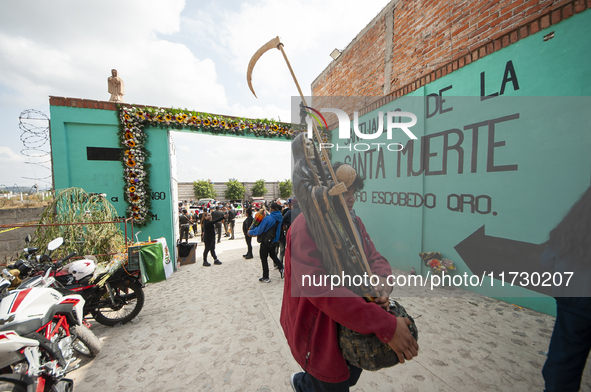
{"type": "Point", "coordinates": [186, 253]}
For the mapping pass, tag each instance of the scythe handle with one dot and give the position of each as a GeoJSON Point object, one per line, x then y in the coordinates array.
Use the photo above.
{"type": "Point", "coordinates": [330, 169]}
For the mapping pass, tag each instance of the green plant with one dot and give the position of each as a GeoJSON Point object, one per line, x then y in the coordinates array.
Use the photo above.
{"type": "Point", "coordinates": [285, 189]}
{"type": "Point", "coordinates": [74, 205]}
{"type": "Point", "coordinates": [259, 189]}
{"type": "Point", "coordinates": [235, 190]}
{"type": "Point", "coordinates": [204, 190]}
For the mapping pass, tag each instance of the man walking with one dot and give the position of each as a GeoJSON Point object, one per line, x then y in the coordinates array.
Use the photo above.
{"type": "Point", "coordinates": [215, 216]}
{"type": "Point", "coordinates": [231, 221]}
{"type": "Point", "coordinates": [271, 222]}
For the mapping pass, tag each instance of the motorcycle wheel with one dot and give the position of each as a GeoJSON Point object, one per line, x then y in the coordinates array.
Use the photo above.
{"type": "Point", "coordinates": [127, 305]}
{"type": "Point", "coordinates": [86, 342]}
{"type": "Point", "coordinates": [6, 386]}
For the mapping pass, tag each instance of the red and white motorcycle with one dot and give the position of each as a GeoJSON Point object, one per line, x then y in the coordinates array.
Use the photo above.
{"type": "Point", "coordinates": [39, 331]}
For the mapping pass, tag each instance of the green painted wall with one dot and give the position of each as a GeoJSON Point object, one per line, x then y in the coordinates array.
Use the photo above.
{"type": "Point", "coordinates": [540, 155]}
{"type": "Point", "coordinates": [75, 129]}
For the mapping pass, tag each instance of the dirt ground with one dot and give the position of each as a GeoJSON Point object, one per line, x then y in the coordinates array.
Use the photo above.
{"type": "Point", "coordinates": [217, 329]}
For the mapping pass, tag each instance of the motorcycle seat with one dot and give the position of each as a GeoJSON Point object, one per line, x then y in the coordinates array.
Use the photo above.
{"type": "Point", "coordinates": [23, 327]}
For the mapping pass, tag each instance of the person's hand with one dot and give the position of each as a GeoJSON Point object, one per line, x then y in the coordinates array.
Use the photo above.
{"type": "Point", "coordinates": [383, 290]}
{"type": "Point", "coordinates": [384, 302]}
{"type": "Point", "coordinates": [338, 189]}
{"type": "Point", "coordinates": [403, 343]}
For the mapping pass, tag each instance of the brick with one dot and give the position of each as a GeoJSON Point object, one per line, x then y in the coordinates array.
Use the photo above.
{"type": "Point", "coordinates": [512, 22]}
{"type": "Point", "coordinates": [579, 6]}
{"type": "Point", "coordinates": [525, 6]}
{"type": "Point", "coordinates": [505, 40]}
{"type": "Point", "coordinates": [489, 7]}
{"type": "Point", "coordinates": [482, 51]}
{"type": "Point", "coordinates": [490, 48]}
{"type": "Point", "coordinates": [498, 44]}
{"type": "Point", "coordinates": [556, 16]}
{"type": "Point", "coordinates": [468, 59]}
{"type": "Point", "coordinates": [545, 21]}
{"type": "Point", "coordinates": [513, 37]}
{"type": "Point", "coordinates": [567, 11]}
{"type": "Point", "coordinates": [507, 10]}
{"type": "Point", "coordinates": [523, 32]}
{"type": "Point", "coordinates": [534, 26]}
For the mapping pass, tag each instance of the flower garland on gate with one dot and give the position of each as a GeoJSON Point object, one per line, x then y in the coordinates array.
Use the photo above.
{"type": "Point", "coordinates": [133, 119]}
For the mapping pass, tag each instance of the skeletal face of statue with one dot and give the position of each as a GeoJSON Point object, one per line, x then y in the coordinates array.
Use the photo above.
{"type": "Point", "coordinates": [309, 149]}
{"type": "Point", "coordinates": [310, 154]}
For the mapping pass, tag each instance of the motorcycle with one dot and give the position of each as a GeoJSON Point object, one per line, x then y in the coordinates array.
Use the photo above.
{"type": "Point", "coordinates": [22, 268]}
{"type": "Point", "coordinates": [40, 329]}
{"type": "Point", "coordinates": [118, 298]}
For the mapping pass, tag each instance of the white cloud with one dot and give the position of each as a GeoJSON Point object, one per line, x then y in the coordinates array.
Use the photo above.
{"type": "Point", "coordinates": [40, 61]}
{"type": "Point", "coordinates": [8, 156]}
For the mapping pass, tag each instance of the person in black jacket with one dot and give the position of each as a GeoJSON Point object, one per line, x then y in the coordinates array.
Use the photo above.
{"type": "Point", "coordinates": [208, 227]}
{"type": "Point", "coordinates": [216, 214]}
{"type": "Point", "coordinates": [231, 221]}
{"type": "Point", "coordinates": [569, 251]}
{"type": "Point", "coordinates": [245, 227]}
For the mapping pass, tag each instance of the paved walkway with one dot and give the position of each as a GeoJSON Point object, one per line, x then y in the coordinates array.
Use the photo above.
{"type": "Point", "coordinates": [217, 329]}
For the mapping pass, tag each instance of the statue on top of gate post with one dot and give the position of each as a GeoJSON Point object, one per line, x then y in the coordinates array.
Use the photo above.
{"type": "Point", "coordinates": [116, 87]}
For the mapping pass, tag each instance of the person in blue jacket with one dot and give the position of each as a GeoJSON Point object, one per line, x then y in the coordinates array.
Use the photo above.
{"type": "Point", "coordinates": [270, 222]}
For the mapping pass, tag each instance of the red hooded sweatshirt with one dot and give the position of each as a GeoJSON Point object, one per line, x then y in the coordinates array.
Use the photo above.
{"type": "Point", "coordinates": [311, 323]}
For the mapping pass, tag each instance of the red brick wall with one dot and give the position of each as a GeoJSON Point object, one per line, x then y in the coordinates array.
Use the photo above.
{"type": "Point", "coordinates": [430, 39]}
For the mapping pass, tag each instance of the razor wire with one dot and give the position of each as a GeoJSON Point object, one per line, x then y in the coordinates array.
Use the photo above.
{"type": "Point", "coordinates": [34, 125]}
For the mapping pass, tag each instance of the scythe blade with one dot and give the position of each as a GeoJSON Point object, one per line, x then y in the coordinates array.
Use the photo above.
{"type": "Point", "coordinates": [274, 43]}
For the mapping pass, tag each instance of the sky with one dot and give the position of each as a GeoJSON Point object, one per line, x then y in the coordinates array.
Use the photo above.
{"type": "Point", "coordinates": [170, 53]}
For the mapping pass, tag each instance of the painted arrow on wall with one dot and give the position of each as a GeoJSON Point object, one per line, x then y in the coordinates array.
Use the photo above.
{"type": "Point", "coordinates": [485, 254]}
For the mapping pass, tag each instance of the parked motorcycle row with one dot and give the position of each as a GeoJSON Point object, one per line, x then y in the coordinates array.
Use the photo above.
{"type": "Point", "coordinates": [42, 309]}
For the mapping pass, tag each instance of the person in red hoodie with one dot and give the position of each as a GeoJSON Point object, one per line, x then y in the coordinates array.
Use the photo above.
{"type": "Point", "coordinates": [310, 315]}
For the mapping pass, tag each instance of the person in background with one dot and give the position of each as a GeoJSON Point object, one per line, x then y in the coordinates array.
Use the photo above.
{"type": "Point", "coordinates": [185, 223]}
{"type": "Point", "coordinates": [231, 221]}
{"type": "Point", "coordinates": [208, 226]}
{"type": "Point", "coordinates": [225, 211]}
{"type": "Point", "coordinates": [245, 227]}
{"type": "Point", "coordinates": [270, 222]}
{"type": "Point", "coordinates": [195, 219]}
{"type": "Point", "coordinates": [216, 214]}
{"type": "Point", "coordinates": [292, 212]}
{"type": "Point", "coordinates": [569, 250]}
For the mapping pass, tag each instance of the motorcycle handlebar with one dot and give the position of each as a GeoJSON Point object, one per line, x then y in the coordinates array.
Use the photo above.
{"type": "Point", "coordinates": [74, 253]}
